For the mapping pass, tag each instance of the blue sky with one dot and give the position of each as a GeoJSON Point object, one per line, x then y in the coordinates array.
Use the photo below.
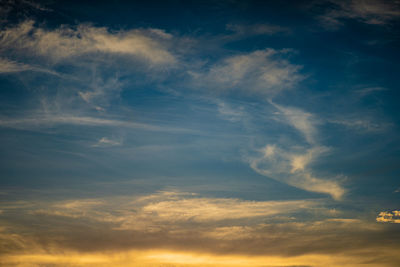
{"type": "Point", "coordinates": [225, 133]}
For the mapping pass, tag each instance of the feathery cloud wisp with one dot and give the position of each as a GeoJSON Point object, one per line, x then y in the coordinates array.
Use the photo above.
{"type": "Point", "coordinates": [291, 165]}
{"type": "Point", "coordinates": [65, 42]}
{"type": "Point", "coordinates": [262, 71]}
{"type": "Point", "coordinates": [292, 168]}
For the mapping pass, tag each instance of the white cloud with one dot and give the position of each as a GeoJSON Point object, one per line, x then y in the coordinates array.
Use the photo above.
{"type": "Point", "coordinates": [106, 142]}
{"type": "Point", "coordinates": [65, 42]}
{"type": "Point", "coordinates": [261, 71]}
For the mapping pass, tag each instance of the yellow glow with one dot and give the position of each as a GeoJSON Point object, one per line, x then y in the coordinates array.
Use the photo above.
{"type": "Point", "coordinates": [161, 258]}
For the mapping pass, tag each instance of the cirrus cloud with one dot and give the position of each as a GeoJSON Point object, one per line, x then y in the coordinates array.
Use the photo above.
{"type": "Point", "coordinates": [67, 41]}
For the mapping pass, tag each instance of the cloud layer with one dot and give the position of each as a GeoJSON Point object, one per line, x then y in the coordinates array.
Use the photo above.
{"type": "Point", "coordinates": [173, 223]}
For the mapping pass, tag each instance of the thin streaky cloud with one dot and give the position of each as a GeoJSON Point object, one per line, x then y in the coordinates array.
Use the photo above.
{"type": "Point", "coordinates": [370, 90]}
{"type": "Point", "coordinates": [9, 66]}
{"type": "Point", "coordinates": [364, 125]}
{"type": "Point", "coordinates": [44, 121]}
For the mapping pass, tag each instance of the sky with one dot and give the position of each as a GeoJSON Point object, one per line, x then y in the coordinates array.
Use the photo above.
{"type": "Point", "coordinates": [199, 133]}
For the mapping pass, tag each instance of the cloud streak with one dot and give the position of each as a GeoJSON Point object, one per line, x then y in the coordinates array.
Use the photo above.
{"type": "Point", "coordinates": [9, 66]}
{"type": "Point", "coordinates": [49, 120]}
{"type": "Point", "coordinates": [173, 207]}
{"type": "Point", "coordinates": [66, 42]}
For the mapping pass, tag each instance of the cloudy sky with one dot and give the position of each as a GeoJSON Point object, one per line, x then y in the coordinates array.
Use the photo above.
{"type": "Point", "coordinates": [199, 133]}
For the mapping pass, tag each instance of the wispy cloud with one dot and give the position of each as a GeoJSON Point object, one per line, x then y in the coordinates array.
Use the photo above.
{"type": "Point", "coordinates": [91, 81]}
{"type": "Point", "coordinates": [370, 90]}
{"type": "Point", "coordinates": [215, 209]}
{"type": "Point", "coordinates": [65, 42]}
{"type": "Point", "coordinates": [7, 66]}
{"type": "Point", "coordinates": [367, 11]}
{"type": "Point", "coordinates": [106, 142]}
{"type": "Point", "coordinates": [291, 165]}
{"type": "Point", "coordinates": [173, 207]}
{"type": "Point", "coordinates": [10, 66]}
{"type": "Point", "coordinates": [262, 72]}
{"type": "Point", "coordinates": [48, 120]}
{"type": "Point", "coordinates": [101, 91]}
{"type": "Point", "coordinates": [302, 121]}
{"type": "Point", "coordinates": [9, 9]}
{"type": "Point", "coordinates": [363, 125]}
{"type": "Point", "coordinates": [232, 114]}
{"type": "Point", "coordinates": [247, 30]}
